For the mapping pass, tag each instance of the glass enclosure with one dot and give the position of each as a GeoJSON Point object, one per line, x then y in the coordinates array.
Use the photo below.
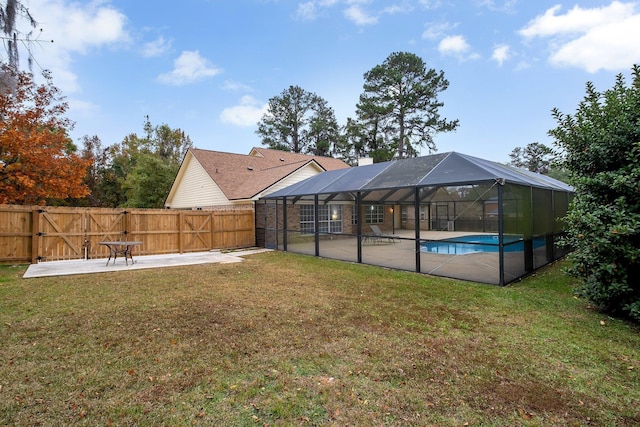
{"type": "Point", "coordinates": [491, 231]}
{"type": "Point", "coordinates": [488, 232]}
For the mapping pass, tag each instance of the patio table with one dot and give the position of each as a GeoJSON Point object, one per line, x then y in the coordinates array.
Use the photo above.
{"type": "Point", "coordinates": [120, 247]}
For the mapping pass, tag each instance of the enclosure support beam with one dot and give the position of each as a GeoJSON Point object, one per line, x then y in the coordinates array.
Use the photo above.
{"type": "Point", "coordinates": [330, 198]}
{"type": "Point", "coordinates": [359, 225]}
{"type": "Point", "coordinates": [285, 227]}
{"type": "Point", "coordinates": [429, 193]}
{"type": "Point", "coordinates": [277, 218]}
{"type": "Point", "coordinates": [416, 207]}
{"type": "Point", "coordinates": [501, 230]}
{"type": "Point", "coordinates": [484, 217]}
{"type": "Point", "coordinates": [386, 196]}
{"type": "Point", "coordinates": [316, 223]}
{"type": "Point", "coordinates": [404, 198]}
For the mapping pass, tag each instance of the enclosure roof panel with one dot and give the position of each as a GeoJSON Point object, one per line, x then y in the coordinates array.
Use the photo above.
{"type": "Point", "coordinates": [356, 178]}
{"type": "Point", "coordinates": [445, 169]}
{"type": "Point", "coordinates": [405, 172]}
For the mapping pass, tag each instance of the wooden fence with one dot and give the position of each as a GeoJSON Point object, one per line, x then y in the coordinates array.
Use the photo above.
{"type": "Point", "coordinates": [38, 233]}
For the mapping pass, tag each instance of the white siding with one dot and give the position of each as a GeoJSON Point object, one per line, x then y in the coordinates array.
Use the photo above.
{"type": "Point", "coordinates": [305, 172]}
{"type": "Point", "coordinates": [195, 188]}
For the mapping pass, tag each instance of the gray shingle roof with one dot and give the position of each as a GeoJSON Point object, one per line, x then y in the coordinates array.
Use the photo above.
{"type": "Point", "coordinates": [434, 170]}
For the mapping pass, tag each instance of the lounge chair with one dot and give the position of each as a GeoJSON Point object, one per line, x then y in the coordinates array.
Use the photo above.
{"type": "Point", "coordinates": [378, 236]}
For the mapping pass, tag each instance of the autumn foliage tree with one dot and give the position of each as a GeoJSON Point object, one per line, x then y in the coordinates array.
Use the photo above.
{"type": "Point", "coordinates": [38, 160]}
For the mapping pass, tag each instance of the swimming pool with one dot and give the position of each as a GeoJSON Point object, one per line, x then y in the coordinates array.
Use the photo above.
{"type": "Point", "coordinates": [475, 243]}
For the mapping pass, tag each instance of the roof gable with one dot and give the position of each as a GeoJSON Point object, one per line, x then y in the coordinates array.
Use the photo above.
{"type": "Point", "coordinates": [193, 187]}
{"type": "Point", "coordinates": [242, 176]}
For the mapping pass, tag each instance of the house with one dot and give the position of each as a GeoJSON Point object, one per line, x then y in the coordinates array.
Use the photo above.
{"type": "Point", "coordinates": [212, 179]}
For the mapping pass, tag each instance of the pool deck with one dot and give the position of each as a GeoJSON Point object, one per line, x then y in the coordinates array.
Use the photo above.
{"type": "Point", "coordinates": [400, 253]}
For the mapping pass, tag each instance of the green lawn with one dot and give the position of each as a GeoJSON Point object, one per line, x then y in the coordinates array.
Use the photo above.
{"type": "Point", "coordinates": [285, 339]}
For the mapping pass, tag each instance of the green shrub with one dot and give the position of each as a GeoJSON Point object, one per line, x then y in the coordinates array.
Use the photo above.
{"type": "Point", "coordinates": [601, 143]}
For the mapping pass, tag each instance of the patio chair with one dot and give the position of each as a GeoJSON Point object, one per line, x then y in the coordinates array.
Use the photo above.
{"type": "Point", "coordinates": [377, 234]}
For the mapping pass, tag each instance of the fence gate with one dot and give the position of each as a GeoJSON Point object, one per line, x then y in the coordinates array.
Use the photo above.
{"type": "Point", "coordinates": [196, 232]}
{"type": "Point", "coordinates": [61, 235]}
{"type": "Point", "coordinates": [103, 225]}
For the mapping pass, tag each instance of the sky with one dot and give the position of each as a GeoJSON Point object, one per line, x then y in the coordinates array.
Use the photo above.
{"type": "Point", "coordinates": [209, 67]}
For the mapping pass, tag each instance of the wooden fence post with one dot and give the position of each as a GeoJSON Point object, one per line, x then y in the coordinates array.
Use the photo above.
{"type": "Point", "coordinates": [35, 236]}
{"type": "Point", "coordinates": [180, 232]}
{"type": "Point", "coordinates": [212, 229]}
{"type": "Point", "coordinates": [127, 224]}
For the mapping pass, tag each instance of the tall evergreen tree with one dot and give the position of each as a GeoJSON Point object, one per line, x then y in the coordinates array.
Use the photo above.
{"type": "Point", "coordinates": [300, 122]}
{"type": "Point", "coordinates": [535, 157]}
{"type": "Point", "coordinates": [399, 108]}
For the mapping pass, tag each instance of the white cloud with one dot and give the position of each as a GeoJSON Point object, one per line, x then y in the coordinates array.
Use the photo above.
{"type": "Point", "coordinates": [76, 29]}
{"type": "Point", "coordinates": [592, 39]}
{"type": "Point", "coordinates": [189, 67]}
{"type": "Point", "coordinates": [453, 45]}
{"type": "Point", "coordinates": [456, 46]}
{"type": "Point", "coordinates": [82, 107]}
{"type": "Point", "coordinates": [306, 11]}
{"type": "Point", "coordinates": [501, 53]}
{"type": "Point", "coordinates": [355, 10]}
{"type": "Point", "coordinates": [430, 4]}
{"type": "Point", "coordinates": [359, 16]}
{"type": "Point", "coordinates": [156, 47]}
{"type": "Point", "coordinates": [234, 86]}
{"type": "Point", "coordinates": [404, 7]}
{"type": "Point", "coordinates": [248, 113]}
{"type": "Point", "coordinates": [507, 6]}
{"type": "Point", "coordinates": [435, 30]}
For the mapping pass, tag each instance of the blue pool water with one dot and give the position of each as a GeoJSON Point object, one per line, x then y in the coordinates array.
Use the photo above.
{"type": "Point", "coordinates": [475, 243]}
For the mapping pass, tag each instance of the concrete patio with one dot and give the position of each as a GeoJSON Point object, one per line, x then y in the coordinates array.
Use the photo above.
{"type": "Point", "coordinates": [64, 268]}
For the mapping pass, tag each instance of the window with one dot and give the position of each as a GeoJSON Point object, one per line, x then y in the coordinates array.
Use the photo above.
{"type": "Point", "coordinates": [329, 218]}
{"type": "Point", "coordinates": [306, 218]}
{"type": "Point", "coordinates": [374, 214]}
{"type": "Point", "coordinates": [334, 224]}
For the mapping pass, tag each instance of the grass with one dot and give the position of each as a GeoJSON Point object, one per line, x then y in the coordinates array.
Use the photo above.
{"type": "Point", "coordinates": [285, 339]}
